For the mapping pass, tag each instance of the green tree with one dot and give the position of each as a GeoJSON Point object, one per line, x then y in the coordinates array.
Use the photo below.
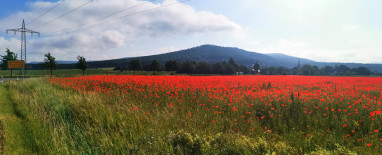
{"type": "Point", "coordinates": [256, 67]}
{"type": "Point", "coordinates": [82, 64]}
{"type": "Point", "coordinates": [203, 68]}
{"type": "Point", "coordinates": [50, 63]}
{"type": "Point", "coordinates": [273, 70]}
{"type": "Point", "coordinates": [362, 71]}
{"type": "Point", "coordinates": [341, 69]}
{"type": "Point", "coordinates": [172, 66]}
{"type": "Point", "coordinates": [188, 67]}
{"type": "Point", "coordinates": [281, 70]}
{"type": "Point", "coordinates": [135, 65]}
{"type": "Point", "coordinates": [327, 70]}
{"type": "Point", "coordinates": [229, 69]}
{"type": "Point", "coordinates": [244, 69]}
{"type": "Point", "coordinates": [155, 66]}
{"type": "Point", "coordinates": [218, 68]}
{"type": "Point", "coordinates": [306, 69]}
{"type": "Point", "coordinates": [10, 56]}
{"type": "Point", "coordinates": [233, 64]}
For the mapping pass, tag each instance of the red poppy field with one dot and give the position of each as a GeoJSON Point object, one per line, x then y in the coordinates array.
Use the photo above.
{"type": "Point", "coordinates": [305, 113]}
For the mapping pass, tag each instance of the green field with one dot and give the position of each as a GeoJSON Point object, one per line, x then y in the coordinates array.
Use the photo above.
{"type": "Point", "coordinates": [77, 72]}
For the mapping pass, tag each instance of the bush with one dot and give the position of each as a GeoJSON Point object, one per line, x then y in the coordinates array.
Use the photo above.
{"type": "Point", "coordinates": [238, 144]}
{"type": "Point", "coordinates": [281, 148]}
{"type": "Point", "coordinates": [186, 143]}
{"type": "Point", "coordinates": [339, 150]}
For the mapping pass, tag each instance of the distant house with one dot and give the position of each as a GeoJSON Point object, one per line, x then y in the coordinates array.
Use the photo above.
{"type": "Point", "coordinates": [254, 71]}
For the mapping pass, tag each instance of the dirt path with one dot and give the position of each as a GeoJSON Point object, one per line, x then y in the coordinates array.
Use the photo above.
{"type": "Point", "coordinates": [9, 123]}
{"type": "Point", "coordinates": [13, 139]}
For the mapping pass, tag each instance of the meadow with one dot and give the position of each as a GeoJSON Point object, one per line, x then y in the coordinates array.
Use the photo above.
{"type": "Point", "coordinates": [124, 114]}
{"type": "Point", "coordinates": [75, 72]}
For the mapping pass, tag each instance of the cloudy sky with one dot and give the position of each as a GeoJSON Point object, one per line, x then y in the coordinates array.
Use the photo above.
{"type": "Point", "coordinates": [321, 30]}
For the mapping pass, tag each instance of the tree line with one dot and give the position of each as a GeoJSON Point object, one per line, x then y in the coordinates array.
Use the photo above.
{"type": "Point", "coordinates": [48, 63]}
{"type": "Point", "coordinates": [231, 67]}
{"type": "Point", "coordinates": [201, 67]}
{"type": "Point", "coordinates": [306, 69]}
{"type": "Point", "coordinates": [188, 67]}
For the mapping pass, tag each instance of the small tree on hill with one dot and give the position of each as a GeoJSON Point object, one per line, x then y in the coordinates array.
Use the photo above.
{"type": "Point", "coordinates": [172, 66]}
{"type": "Point", "coordinates": [155, 66]}
{"type": "Point", "coordinates": [82, 64]}
{"type": "Point", "coordinates": [10, 56]}
{"type": "Point", "coordinates": [135, 65]}
{"type": "Point", "coordinates": [50, 63]}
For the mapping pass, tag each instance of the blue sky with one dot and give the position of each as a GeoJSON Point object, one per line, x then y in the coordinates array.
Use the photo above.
{"type": "Point", "coordinates": [321, 30]}
{"type": "Point", "coordinates": [9, 7]}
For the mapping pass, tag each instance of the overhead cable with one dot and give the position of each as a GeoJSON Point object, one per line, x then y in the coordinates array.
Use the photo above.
{"type": "Point", "coordinates": [107, 16]}
{"type": "Point", "coordinates": [120, 18]}
{"type": "Point", "coordinates": [64, 14]}
{"type": "Point", "coordinates": [45, 12]}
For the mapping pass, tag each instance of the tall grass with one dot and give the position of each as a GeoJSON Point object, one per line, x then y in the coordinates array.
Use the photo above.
{"type": "Point", "coordinates": [64, 121]}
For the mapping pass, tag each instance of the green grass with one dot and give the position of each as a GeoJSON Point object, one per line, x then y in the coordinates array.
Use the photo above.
{"type": "Point", "coordinates": [63, 121]}
{"type": "Point", "coordinates": [45, 119]}
{"type": "Point", "coordinates": [15, 136]}
{"type": "Point", "coordinates": [76, 72]}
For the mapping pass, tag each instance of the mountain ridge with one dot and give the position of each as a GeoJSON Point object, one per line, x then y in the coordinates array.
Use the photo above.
{"type": "Point", "coordinates": [213, 53]}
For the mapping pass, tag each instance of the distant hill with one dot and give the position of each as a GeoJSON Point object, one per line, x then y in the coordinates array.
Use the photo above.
{"type": "Point", "coordinates": [292, 60]}
{"type": "Point", "coordinates": [212, 54]}
{"type": "Point", "coordinates": [207, 53]}
{"type": "Point", "coordinates": [57, 61]}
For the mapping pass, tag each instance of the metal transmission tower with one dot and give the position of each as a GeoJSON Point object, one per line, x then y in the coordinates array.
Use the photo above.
{"type": "Point", "coordinates": [23, 31]}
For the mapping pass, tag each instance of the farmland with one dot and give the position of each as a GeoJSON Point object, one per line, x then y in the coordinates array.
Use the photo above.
{"type": "Point", "coordinates": [76, 72]}
{"type": "Point", "coordinates": [199, 114]}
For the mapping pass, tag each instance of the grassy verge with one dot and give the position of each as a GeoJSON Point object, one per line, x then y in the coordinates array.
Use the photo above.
{"type": "Point", "coordinates": [63, 121]}
{"type": "Point", "coordinates": [13, 134]}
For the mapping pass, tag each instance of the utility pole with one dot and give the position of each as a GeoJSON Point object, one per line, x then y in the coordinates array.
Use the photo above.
{"type": "Point", "coordinates": [23, 32]}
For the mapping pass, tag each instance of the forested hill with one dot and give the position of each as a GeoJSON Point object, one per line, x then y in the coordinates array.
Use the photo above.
{"type": "Point", "coordinates": [213, 54]}
{"type": "Point", "coordinates": [206, 53]}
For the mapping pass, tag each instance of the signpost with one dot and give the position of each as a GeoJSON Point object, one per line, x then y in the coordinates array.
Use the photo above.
{"type": "Point", "coordinates": [20, 64]}
{"type": "Point", "coordinates": [16, 64]}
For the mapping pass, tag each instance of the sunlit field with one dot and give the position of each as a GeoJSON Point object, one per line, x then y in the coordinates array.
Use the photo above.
{"type": "Point", "coordinates": [202, 115]}
{"type": "Point", "coordinates": [75, 72]}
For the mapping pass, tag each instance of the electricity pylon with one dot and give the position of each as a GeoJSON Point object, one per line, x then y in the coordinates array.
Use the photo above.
{"type": "Point", "coordinates": [23, 32]}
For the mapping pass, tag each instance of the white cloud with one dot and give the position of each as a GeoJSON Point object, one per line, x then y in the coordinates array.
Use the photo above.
{"type": "Point", "coordinates": [107, 40]}
{"type": "Point", "coordinates": [13, 44]}
{"type": "Point", "coordinates": [349, 28]}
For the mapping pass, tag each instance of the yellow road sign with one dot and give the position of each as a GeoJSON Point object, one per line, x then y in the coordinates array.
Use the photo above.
{"type": "Point", "coordinates": [16, 64]}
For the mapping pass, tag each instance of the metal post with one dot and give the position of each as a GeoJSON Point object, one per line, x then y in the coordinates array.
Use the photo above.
{"type": "Point", "coordinates": [23, 32]}
{"type": "Point", "coordinates": [10, 74]}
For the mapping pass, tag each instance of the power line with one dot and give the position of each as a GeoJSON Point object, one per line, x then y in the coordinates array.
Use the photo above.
{"type": "Point", "coordinates": [119, 18]}
{"type": "Point", "coordinates": [45, 12]}
{"type": "Point", "coordinates": [64, 14]}
{"type": "Point", "coordinates": [23, 32]}
{"type": "Point", "coordinates": [112, 14]}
